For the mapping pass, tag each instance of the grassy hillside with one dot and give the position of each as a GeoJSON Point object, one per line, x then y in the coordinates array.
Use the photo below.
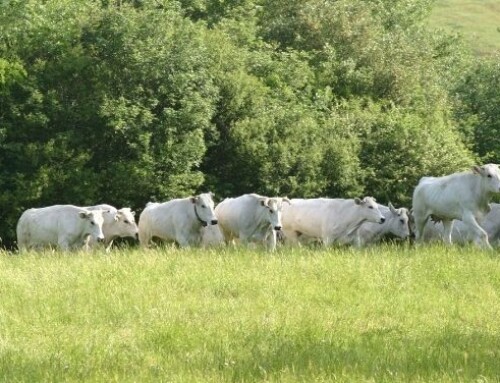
{"type": "Point", "coordinates": [384, 314]}
{"type": "Point", "coordinates": [477, 20]}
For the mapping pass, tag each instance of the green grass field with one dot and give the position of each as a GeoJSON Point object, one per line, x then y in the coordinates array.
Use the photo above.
{"type": "Point", "coordinates": [476, 20]}
{"type": "Point", "coordinates": [392, 314]}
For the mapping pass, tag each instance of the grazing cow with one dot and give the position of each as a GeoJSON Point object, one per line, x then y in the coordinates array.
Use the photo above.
{"type": "Point", "coordinates": [328, 220]}
{"type": "Point", "coordinates": [65, 226]}
{"type": "Point", "coordinates": [251, 218]}
{"type": "Point", "coordinates": [117, 223]}
{"type": "Point", "coordinates": [396, 223]}
{"type": "Point", "coordinates": [178, 220]}
{"type": "Point", "coordinates": [461, 234]}
{"type": "Point", "coordinates": [464, 196]}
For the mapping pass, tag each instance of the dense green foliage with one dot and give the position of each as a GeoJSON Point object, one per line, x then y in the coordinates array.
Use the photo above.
{"type": "Point", "coordinates": [385, 314]}
{"type": "Point", "coordinates": [125, 102]}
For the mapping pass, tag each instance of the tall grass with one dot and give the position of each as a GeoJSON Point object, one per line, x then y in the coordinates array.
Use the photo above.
{"type": "Point", "coordinates": [427, 314]}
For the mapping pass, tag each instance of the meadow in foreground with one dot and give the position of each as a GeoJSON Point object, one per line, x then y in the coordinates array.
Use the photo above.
{"type": "Point", "coordinates": [394, 314]}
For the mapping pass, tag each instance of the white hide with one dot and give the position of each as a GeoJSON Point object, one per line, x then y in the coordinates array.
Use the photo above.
{"type": "Point", "coordinates": [65, 226]}
{"type": "Point", "coordinates": [463, 196]}
{"type": "Point", "coordinates": [178, 220]}
{"type": "Point", "coordinates": [396, 223]}
{"type": "Point", "coordinates": [117, 223]}
{"type": "Point", "coordinates": [251, 218]}
{"type": "Point", "coordinates": [434, 231]}
{"type": "Point", "coordinates": [328, 220]}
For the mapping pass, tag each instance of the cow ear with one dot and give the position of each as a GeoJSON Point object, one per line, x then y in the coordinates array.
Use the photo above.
{"type": "Point", "coordinates": [285, 199]}
{"type": "Point", "coordinates": [357, 201]}
{"type": "Point", "coordinates": [132, 212]}
{"type": "Point", "coordinates": [84, 214]}
{"type": "Point", "coordinates": [193, 199]}
{"type": "Point", "coordinates": [477, 169]}
{"type": "Point", "coordinates": [264, 201]}
{"type": "Point", "coordinates": [211, 195]}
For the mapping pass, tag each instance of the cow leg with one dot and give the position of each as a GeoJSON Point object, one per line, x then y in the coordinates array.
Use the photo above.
{"type": "Point", "coordinates": [357, 241]}
{"type": "Point", "coordinates": [188, 238]}
{"type": "Point", "coordinates": [86, 244]}
{"type": "Point", "coordinates": [244, 239]}
{"type": "Point", "coordinates": [291, 237]}
{"type": "Point", "coordinates": [270, 240]}
{"type": "Point", "coordinates": [419, 227]}
{"type": "Point", "coordinates": [63, 244]}
{"type": "Point", "coordinates": [108, 248]}
{"type": "Point", "coordinates": [22, 246]}
{"type": "Point", "coordinates": [447, 228]}
{"type": "Point", "coordinates": [144, 238]}
{"type": "Point", "coordinates": [480, 236]}
{"type": "Point", "coordinates": [183, 241]}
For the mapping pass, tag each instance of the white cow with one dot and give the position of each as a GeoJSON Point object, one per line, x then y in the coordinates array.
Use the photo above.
{"type": "Point", "coordinates": [66, 226]}
{"type": "Point", "coordinates": [328, 220]}
{"type": "Point", "coordinates": [117, 223]}
{"type": "Point", "coordinates": [460, 233]}
{"type": "Point", "coordinates": [178, 220]}
{"type": "Point", "coordinates": [251, 218]}
{"type": "Point", "coordinates": [396, 223]}
{"type": "Point", "coordinates": [464, 196]}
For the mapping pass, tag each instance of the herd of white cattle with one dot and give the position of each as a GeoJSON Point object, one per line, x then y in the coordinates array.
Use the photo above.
{"type": "Point", "coordinates": [453, 208]}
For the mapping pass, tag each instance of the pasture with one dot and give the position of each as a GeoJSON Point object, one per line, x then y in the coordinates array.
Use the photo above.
{"type": "Point", "coordinates": [476, 20]}
{"type": "Point", "coordinates": [387, 313]}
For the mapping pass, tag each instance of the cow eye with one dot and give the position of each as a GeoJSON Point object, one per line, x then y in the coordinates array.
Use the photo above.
{"type": "Point", "coordinates": [489, 175]}
{"type": "Point", "coordinates": [92, 223]}
{"type": "Point", "coordinates": [127, 221]}
{"type": "Point", "coordinates": [402, 221]}
{"type": "Point", "coordinates": [370, 207]}
{"type": "Point", "coordinates": [203, 206]}
{"type": "Point", "coordinates": [271, 211]}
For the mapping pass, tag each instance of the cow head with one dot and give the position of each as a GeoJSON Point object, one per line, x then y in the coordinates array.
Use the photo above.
{"type": "Point", "coordinates": [122, 225]}
{"type": "Point", "coordinates": [398, 221]}
{"type": "Point", "coordinates": [274, 207]}
{"type": "Point", "coordinates": [93, 220]}
{"type": "Point", "coordinates": [369, 209]}
{"type": "Point", "coordinates": [204, 209]}
{"type": "Point", "coordinates": [490, 175]}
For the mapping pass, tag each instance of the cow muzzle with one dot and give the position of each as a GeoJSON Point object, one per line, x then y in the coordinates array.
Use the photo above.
{"type": "Point", "coordinates": [277, 228]}
{"type": "Point", "coordinates": [382, 220]}
{"type": "Point", "coordinates": [214, 222]}
{"type": "Point", "coordinates": [100, 239]}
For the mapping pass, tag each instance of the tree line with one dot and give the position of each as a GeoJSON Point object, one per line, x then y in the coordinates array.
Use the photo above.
{"type": "Point", "coordinates": [130, 101]}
